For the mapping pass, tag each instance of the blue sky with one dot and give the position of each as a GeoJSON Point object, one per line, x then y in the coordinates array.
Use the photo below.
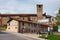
{"type": "Point", "coordinates": [29, 6]}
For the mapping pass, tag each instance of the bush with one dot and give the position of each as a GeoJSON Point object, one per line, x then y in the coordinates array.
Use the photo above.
{"type": "Point", "coordinates": [55, 28]}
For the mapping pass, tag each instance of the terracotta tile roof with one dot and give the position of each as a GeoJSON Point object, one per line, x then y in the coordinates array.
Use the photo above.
{"type": "Point", "coordinates": [24, 21]}
{"type": "Point", "coordinates": [18, 14]}
{"type": "Point", "coordinates": [47, 25]}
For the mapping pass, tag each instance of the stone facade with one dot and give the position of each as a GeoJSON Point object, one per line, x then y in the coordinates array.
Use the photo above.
{"type": "Point", "coordinates": [27, 21]}
{"type": "Point", "coordinates": [15, 25]}
{"type": "Point", "coordinates": [12, 26]}
{"type": "Point", "coordinates": [27, 17]}
{"type": "Point", "coordinates": [39, 11]}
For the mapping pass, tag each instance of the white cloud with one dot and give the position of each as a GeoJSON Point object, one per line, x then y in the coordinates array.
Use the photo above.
{"type": "Point", "coordinates": [28, 6]}
{"type": "Point", "coordinates": [15, 7]}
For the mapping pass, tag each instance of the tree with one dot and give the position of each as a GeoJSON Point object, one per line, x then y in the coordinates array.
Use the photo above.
{"type": "Point", "coordinates": [58, 17]}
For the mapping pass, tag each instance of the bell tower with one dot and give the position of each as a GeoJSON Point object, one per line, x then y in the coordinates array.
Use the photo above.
{"type": "Point", "coordinates": [39, 11]}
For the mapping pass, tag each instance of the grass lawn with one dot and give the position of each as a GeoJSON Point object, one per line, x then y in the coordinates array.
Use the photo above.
{"type": "Point", "coordinates": [54, 37]}
{"type": "Point", "coordinates": [51, 37]}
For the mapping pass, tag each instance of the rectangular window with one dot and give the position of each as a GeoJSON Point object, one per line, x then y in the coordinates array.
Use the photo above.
{"type": "Point", "coordinates": [29, 19]}
{"type": "Point", "coordinates": [23, 18]}
{"type": "Point", "coordinates": [23, 23]}
{"type": "Point", "coordinates": [29, 24]}
{"type": "Point", "coordinates": [15, 27]}
{"type": "Point", "coordinates": [9, 28]}
{"type": "Point", "coordinates": [35, 25]}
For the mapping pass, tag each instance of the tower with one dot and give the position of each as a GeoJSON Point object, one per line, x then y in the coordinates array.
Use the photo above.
{"type": "Point", "coordinates": [39, 11]}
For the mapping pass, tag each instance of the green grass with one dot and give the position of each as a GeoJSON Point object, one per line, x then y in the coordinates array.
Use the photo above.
{"type": "Point", "coordinates": [51, 37]}
{"type": "Point", "coordinates": [54, 37]}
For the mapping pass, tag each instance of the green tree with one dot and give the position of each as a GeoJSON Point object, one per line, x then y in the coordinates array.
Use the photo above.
{"type": "Point", "coordinates": [58, 17]}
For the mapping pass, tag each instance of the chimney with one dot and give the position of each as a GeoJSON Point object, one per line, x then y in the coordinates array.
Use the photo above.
{"type": "Point", "coordinates": [39, 11]}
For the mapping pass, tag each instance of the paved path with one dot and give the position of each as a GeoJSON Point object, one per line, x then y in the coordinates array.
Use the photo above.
{"type": "Point", "coordinates": [16, 36]}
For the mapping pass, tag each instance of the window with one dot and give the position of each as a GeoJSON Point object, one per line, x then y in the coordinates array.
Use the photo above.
{"type": "Point", "coordinates": [29, 24]}
{"type": "Point", "coordinates": [29, 19]}
{"type": "Point", "coordinates": [23, 23]}
{"type": "Point", "coordinates": [35, 25]}
{"type": "Point", "coordinates": [39, 6]}
{"type": "Point", "coordinates": [15, 27]}
{"type": "Point", "coordinates": [9, 28]}
{"type": "Point", "coordinates": [23, 18]}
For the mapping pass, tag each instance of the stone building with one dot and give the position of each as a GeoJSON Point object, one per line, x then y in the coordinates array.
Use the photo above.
{"type": "Point", "coordinates": [21, 26]}
{"type": "Point", "coordinates": [12, 26]}
{"type": "Point", "coordinates": [27, 17]}
{"type": "Point", "coordinates": [27, 21]}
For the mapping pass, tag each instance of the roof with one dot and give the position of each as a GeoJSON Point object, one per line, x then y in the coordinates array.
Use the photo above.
{"type": "Point", "coordinates": [20, 20]}
{"type": "Point", "coordinates": [18, 14]}
{"type": "Point", "coordinates": [47, 16]}
{"type": "Point", "coordinates": [47, 25]}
